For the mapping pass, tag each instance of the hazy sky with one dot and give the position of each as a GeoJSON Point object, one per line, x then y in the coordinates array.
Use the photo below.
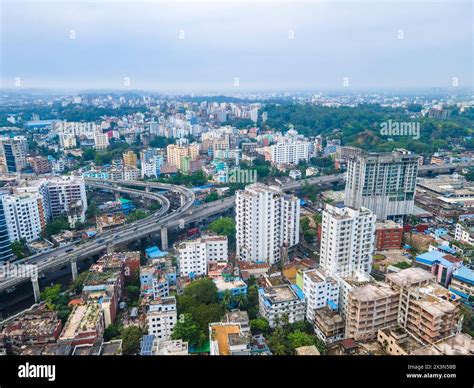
{"type": "Point", "coordinates": [224, 45]}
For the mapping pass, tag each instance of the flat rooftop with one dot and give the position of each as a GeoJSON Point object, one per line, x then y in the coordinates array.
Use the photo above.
{"type": "Point", "coordinates": [387, 225]}
{"type": "Point", "coordinates": [237, 316]}
{"type": "Point", "coordinates": [372, 291]}
{"type": "Point", "coordinates": [83, 318]}
{"type": "Point", "coordinates": [166, 301]}
{"type": "Point", "coordinates": [279, 294]}
{"type": "Point", "coordinates": [307, 351]}
{"type": "Point", "coordinates": [220, 333]}
{"type": "Point", "coordinates": [223, 285]}
{"type": "Point", "coordinates": [410, 276]}
{"type": "Point", "coordinates": [318, 276]}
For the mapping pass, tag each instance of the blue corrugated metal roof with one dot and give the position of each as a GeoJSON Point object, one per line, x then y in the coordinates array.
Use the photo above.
{"type": "Point", "coordinates": [464, 274]}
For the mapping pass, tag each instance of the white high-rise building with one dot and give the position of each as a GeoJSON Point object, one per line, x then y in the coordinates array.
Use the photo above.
{"type": "Point", "coordinates": [162, 317]}
{"type": "Point", "coordinates": [14, 151]}
{"type": "Point", "coordinates": [347, 240]}
{"type": "Point", "coordinates": [67, 140]}
{"type": "Point", "coordinates": [267, 223]}
{"type": "Point", "coordinates": [101, 141]}
{"type": "Point", "coordinates": [131, 173]}
{"type": "Point", "coordinates": [24, 216]}
{"type": "Point", "coordinates": [66, 196]}
{"type": "Point", "coordinates": [383, 183]}
{"type": "Point", "coordinates": [291, 152]}
{"type": "Point", "coordinates": [320, 290]}
{"type": "Point", "coordinates": [194, 256]}
{"type": "Point", "coordinates": [151, 163]}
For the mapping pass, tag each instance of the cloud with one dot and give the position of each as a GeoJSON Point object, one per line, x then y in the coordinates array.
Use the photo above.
{"type": "Point", "coordinates": [268, 45]}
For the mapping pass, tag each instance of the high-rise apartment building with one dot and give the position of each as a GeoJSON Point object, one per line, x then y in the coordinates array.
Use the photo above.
{"type": "Point", "coordinates": [101, 141]}
{"type": "Point", "coordinates": [24, 216]}
{"type": "Point", "coordinates": [320, 290]}
{"type": "Point", "coordinates": [175, 153]}
{"type": "Point", "coordinates": [371, 307]}
{"type": "Point", "coordinates": [63, 196]}
{"type": "Point", "coordinates": [129, 159]}
{"type": "Point", "coordinates": [291, 152]}
{"type": "Point", "coordinates": [267, 223]}
{"type": "Point", "coordinates": [384, 183]}
{"type": "Point", "coordinates": [427, 310]}
{"type": "Point", "coordinates": [14, 151]}
{"type": "Point", "coordinates": [151, 162]}
{"type": "Point", "coordinates": [40, 164]}
{"type": "Point", "coordinates": [5, 246]}
{"type": "Point", "coordinates": [347, 240]}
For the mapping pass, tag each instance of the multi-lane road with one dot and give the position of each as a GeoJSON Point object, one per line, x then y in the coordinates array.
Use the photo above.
{"type": "Point", "coordinates": [56, 258]}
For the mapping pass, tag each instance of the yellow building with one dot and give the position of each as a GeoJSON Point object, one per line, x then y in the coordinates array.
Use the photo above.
{"type": "Point", "coordinates": [129, 159]}
{"type": "Point", "coordinates": [177, 154]}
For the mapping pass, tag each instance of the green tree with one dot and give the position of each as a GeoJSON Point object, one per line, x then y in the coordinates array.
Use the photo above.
{"type": "Point", "coordinates": [188, 330]}
{"type": "Point", "coordinates": [226, 298]}
{"type": "Point", "coordinates": [202, 291]}
{"type": "Point", "coordinates": [299, 338]}
{"type": "Point", "coordinates": [79, 282]}
{"type": "Point", "coordinates": [239, 301]}
{"type": "Point", "coordinates": [212, 197]}
{"type": "Point", "coordinates": [88, 154]}
{"type": "Point", "coordinates": [111, 332]}
{"type": "Point", "coordinates": [204, 314]}
{"type": "Point", "coordinates": [402, 265]}
{"type": "Point", "coordinates": [19, 249]}
{"type": "Point", "coordinates": [57, 301]}
{"type": "Point", "coordinates": [136, 215]}
{"type": "Point", "coordinates": [50, 295]}
{"type": "Point", "coordinates": [260, 326]}
{"type": "Point", "coordinates": [224, 226]}
{"type": "Point", "coordinates": [131, 337]}
{"type": "Point", "coordinates": [279, 344]}
{"type": "Point", "coordinates": [133, 292]}
{"type": "Point", "coordinates": [56, 226]}
{"type": "Point", "coordinates": [252, 301]}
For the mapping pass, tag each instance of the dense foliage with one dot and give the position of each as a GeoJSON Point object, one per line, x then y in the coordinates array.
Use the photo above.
{"type": "Point", "coordinates": [360, 126]}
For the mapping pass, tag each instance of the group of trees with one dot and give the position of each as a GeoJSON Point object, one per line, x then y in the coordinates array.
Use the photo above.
{"type": "Point", "coordinates": [57, 300]}
{"type": "Point", "coordinates": [19, 249]}
{"type": "Point", "coordinates": [57, 225]}
{"type": "Point", "coordinates": [286, 337]}
{"type": "Point", "coordinates": [224, 226]}
{"type": "Point", "coordinates": [133, 290]}
{"type": "Point", "coordinates": [197, 306]}
{"type": "Point", "coordinates": [198, 178]}
{"type": "Point", "coordinates": [136, 215]}
{"type": "Point", "coordinates": [360, 126]}
{"type": "Point", "coordinates": [308, 229]}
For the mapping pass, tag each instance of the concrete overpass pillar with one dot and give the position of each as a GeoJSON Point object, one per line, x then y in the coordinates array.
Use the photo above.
{"type": "Point", "coordinates": [36, 287]}
{"type": "Point", "coordinates": [164, 238]}
{"type": "Point", "coordinates": [110, 249]}
{"type": "Point", "coordinates": [74, 268]}
{"type": "Point", "coordinates": [183, 199]}
{"type": "Point", "coordinates": [147, 189]}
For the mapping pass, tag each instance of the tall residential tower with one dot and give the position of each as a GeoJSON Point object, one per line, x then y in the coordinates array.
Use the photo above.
{"type": "Point", "coordinates": [267, 222]}
{"type": "Point", "coordinates": [384, 183]}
